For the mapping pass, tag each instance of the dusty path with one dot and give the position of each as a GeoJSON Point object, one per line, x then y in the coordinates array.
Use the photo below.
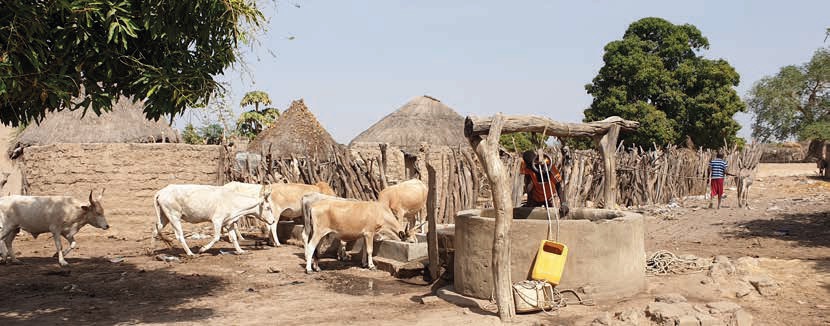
{"type": "Point", "coordinates": [789, 228]}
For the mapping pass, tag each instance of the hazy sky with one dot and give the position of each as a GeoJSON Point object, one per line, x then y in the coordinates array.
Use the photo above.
{"type": "Point", "coordinates": [356, 61]}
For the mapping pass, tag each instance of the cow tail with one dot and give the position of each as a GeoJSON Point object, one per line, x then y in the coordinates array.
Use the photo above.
{"type": "Point", "coordinates": [161, 221]}
{"type": "Point", "coordinates": [307, 230]}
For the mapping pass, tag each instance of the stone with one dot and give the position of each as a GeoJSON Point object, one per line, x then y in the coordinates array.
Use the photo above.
{"type": "Point", "coordinates": [687, 320]}
{"type": "Point", "coordinates": [430, 299]}
{"type": "Point", "coordinates": [667, 313]}
{"type": "Point", "coordinates": [747, 265]}
{"type": "Point", "coordinates": [448, 294]}
{"type": "Point", "coordinates": [706, 320]}
{"type": "Point", "coordinates": [765, 285]}
{"type": "Point", "coordinates": [602, 320]}
{"type": "Point", "coordinates": [631, 316]}
{"type": "Point", "coordinates": [670, 298]}
{"type": "Point", "coordinates": [721, 268]}
{"type": "Point", "coordinates": [743, 289]}
{"type": "Point", "coordinates": [721, 307]}
{"type": "Point", "coordinates": [740, 318]}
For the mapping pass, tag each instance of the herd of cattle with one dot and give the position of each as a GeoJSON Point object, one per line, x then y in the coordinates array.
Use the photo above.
{"type": "Point", "coordinates": [392, 216]}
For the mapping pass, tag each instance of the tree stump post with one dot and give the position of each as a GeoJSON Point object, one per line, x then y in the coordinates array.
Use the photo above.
{"type": "Point", "coordinates": [607, 145]}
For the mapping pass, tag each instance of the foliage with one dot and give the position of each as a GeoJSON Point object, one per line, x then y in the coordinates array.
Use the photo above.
{"type": "Point", "coordinates": [191, 136]}
{"type": "Point", "coordinates": [523, 141]}
{"type": "Point", "coordinates": [255, 98]}
{"type": "Point", "coordinates": [815, 130]}
{"type": "Point", "coordinates": [654, 75]}
{"type": "Point", "coordinates": [251, 123]}
{"type": "Point", "coordinates": [212, 134]}
{"type": "Point", "coordinates": [793, 103]}
{"type": "Point", "coordinates": [166, 52]}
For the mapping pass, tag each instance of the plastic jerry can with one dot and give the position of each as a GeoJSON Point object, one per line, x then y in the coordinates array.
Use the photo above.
{"type": "Point", "coordinates": [550, 262]}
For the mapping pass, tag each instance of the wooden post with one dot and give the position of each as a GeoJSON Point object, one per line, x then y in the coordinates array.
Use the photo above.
{"type": "Point", "coordinates": [487, 149]}
{"type": "Point", "coordinates": [607, 145]}
{"type": "Point", "coordinates": [432, 227]}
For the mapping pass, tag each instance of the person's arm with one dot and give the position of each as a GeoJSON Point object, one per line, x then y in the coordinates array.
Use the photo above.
{"type": "Point", "coordinates": [528, 184]}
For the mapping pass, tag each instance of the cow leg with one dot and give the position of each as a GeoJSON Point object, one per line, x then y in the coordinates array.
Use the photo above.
{"type": "Point", "coordinates": [238, 233]}
{"type": "Point", "coordinates": [232, 235]}
{"type": "Point", "coordinates": [72, 243]}
{"type": "Point", "coordinates": [369, 239]}
{"type": "Point", "coordinates": [177, 229]}
{"type": "Point", "coordinates": [311, 248]}
{"type": "Point", "coordinates": [217, 233]}
{"type": "Point", "coordinates": [59, 248]}
{"type": "Point", "coordinates": [7, 236]}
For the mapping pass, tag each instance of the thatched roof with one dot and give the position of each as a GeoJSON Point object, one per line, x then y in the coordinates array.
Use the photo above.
{"type": "Point", "coordinates": [422, 119]}
{"type": "Point", "coordinates": [126, 123]}
{"type": "Point", "coordinates": [296, 132]}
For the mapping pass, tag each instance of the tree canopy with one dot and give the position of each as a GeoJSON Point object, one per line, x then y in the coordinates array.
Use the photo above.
{"type": "Point", "coordinates": [655, 75]}
{"type": "Point", "coordinates": [795, 102]}
{"type": "Point", "coordinates": [522, 141]}
{"type": "Point", "coordinates": [255, 98]}
{"type": "Point", "coordinates": [72, 54]}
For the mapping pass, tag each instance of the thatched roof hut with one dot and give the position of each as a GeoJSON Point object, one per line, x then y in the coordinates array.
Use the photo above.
{"type": "Point", "coordinates": [297, 132]}
{"type": "Point", "coordinates": [126, 123]}
{"type": "Point", "coordinates": [422, 119]}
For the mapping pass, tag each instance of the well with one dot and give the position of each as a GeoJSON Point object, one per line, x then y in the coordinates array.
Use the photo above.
{"type": "Point", "coordinates": [606, 256]}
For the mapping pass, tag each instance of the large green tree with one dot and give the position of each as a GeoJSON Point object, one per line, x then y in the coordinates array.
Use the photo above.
{"type": "Point", "coordinates": [656, 75]}
{"type": "Point", "coordinates": [795, 102]}
{"type": "Point", "coordinates": [73, 54]}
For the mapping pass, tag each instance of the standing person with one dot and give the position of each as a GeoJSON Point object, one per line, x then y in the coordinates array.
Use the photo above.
{"type": "Point", "coordinates": [717, 172]}
{"type": "Point", "coordinates": [537, 182]}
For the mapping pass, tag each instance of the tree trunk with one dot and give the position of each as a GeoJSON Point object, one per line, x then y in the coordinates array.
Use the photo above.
{"type": "Point", "coordinates": [607, 145]}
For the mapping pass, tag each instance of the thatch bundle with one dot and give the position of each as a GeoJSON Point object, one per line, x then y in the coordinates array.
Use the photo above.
{"type": "Point", "coordinates": [296, 133]}
{"type": "Point", "coordinates": [126, 123]}
{"type": "Point", "coordinates": [422, 120]}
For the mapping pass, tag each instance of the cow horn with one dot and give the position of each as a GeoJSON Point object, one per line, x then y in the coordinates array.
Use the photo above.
{"type": "Point", "coordinates": [90, 196]}
{"type": "Point", "coordinates": [101, 196]}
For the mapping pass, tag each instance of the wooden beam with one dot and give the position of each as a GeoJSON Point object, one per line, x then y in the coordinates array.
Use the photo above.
{"type": "Point", "coordinates": [476, 126]}
{"type": "Point", "coordinates": [487, 150]}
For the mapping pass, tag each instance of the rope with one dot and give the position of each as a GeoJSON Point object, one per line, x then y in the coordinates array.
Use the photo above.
{"type": "Point", "coordinates": [664, 262]}
{"type": "Point", "coordinates": [552, 299]}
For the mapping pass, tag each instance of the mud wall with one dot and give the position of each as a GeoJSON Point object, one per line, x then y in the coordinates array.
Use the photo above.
{"type": "Point", "coordinates": [607, 257]}
{"type": "Point", "coordinates": [131, 173]}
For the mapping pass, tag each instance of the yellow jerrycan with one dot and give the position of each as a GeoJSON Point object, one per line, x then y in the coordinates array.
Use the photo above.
{"type": "Point", "coordinates": [550, 262]}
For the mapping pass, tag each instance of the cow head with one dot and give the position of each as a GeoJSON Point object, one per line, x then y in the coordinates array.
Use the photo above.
{"type": "Point", "coordinates": [266, 211]}
{"type": "Point", "coordinates": [94, 212]}
{"type": "Point", "coordinates": [325, 189]}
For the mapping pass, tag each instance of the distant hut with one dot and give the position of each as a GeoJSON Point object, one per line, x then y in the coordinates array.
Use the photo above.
{"type": "Point", "coordinates": [126, 123]}
{"type": "Point", "coordinates": [297, 132]}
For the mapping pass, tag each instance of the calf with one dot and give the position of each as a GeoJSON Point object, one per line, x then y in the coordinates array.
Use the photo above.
{"type": "Point", "coordinates": [406, 199]}
{"type": "Point", "coordinates": [286, 199]}
{"type": "Point", "coordinates": [349, 220]}
{"type": "Point", "coordinates": [60, 215]}
{"type": "Point", "coordinates": [201, 203]}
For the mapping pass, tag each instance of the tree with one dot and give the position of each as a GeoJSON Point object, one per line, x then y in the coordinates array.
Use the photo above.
{"type": "Point", "coordinates": [75, 54]}
{"type": "Point", "coordinates": [191, 136]}
{"type": "Point", "coordinates": [523, 141]}
{"type": "Point", "coordinates": [793, 103]}
{"type": "Point", "coordinates": [255, 98]}
{"type": "Point", "coordinates": [251, 123]}
{"type": "Point", "coordinates": [212, 134]}
{"type": "Point", "coordinates": [654, 75]}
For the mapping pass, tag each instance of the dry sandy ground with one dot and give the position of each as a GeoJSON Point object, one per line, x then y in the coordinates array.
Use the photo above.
{"type": "Point", "coordinates": [788, 228]}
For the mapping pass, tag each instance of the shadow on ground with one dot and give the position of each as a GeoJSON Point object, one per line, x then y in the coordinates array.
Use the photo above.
{"type": "Point", "coordinates": [97, 291]}
{"type": "Point", "coordinates": [806, 229]}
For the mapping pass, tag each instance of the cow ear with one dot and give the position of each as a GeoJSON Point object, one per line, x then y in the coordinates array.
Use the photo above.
{"type": "Point", "coordinates": [86, 208]}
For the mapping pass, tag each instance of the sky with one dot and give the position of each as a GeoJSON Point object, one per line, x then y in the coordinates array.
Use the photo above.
{"type": "Point", "coordinates": [354, 62]}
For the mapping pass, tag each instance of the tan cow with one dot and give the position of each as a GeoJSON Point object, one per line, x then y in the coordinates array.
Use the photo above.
{"type": "Point", "coordinates": [286, 198]}
{"type": "Point", "coordinates": [59, 215]}
{"type": "Point", "coordinates": [406, 200]}
{"type": "Point", "coordinates": [349, 220]}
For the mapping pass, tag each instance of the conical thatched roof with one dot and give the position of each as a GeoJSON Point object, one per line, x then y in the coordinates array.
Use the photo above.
{"type": "Point", "coordinates": [126, 123]}
{"type": "Point", "coordinates": [296, 132]}
{"type": "Point", "coordinates": [422, 119]}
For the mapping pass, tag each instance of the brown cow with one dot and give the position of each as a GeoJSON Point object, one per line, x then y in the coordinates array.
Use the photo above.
{"type": "Point", "coordinates": [349, 220]}
{"type": "Point", "coordinates": [406, 200]}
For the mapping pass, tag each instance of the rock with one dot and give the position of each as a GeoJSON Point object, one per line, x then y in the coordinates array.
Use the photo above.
{"type": "Point", "coordinates": [721, 307]}
{"type": "Point", "coordinates": [743, 289]}
{"type": "Point", "coordinates": [721, 268]}
{"type": "Point", "coordinates": [773, 209]}
{"type": "Point", "coordinates": [765, 285]}
{"type": "Point", "coordinates": [430, 299]}
{"type": "Point", "coordinates": [602, 320]}
{"type": "Point", "coordinates": [687, 320]}
{"type": "Point", "coordinates": [740, 318]}
{"type": "Point", "coordinates": [167, 258]}
{"type": "Point", "coordinates": [670, 298]}
{"type": "Point", "coordinates": [631, 316]}
{"type": "Point", "coordinates": [667, 313]}
{"type": "Point", "coordinates": [274, 270]}
{"type": "Point", "coordinates": [706, 320]}
{"type": "Point", "coordinates": [747, 265]}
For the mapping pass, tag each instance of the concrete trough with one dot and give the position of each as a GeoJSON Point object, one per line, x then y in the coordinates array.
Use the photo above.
{"type": "Point", "coordinates": [390, 249]}
{"type": "Point", "coordinates": [606, 256]}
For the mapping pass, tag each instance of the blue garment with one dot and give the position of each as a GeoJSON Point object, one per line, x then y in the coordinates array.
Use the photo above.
{"type": "Point", "coordinates": [718, 167]}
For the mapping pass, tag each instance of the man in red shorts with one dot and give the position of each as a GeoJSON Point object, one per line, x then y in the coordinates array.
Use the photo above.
{"type": "Point", "coordinates": [717, 172]}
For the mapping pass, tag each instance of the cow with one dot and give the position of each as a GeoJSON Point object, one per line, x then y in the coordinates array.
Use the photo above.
{"type": "Point", "coordinates": [63, 216]}
{"type": "Point", "coordinates": [350, 220]}
{"type": "Point", "coordinates": [406, 199]}
{"type": "Point", "coordinates": [286, 198]}
{"type": "Point", "coordinates": [202, 203]}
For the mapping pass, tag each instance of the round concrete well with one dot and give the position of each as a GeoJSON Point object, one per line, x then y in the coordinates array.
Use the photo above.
{"type": "Point", "coordinates": [606, 255]}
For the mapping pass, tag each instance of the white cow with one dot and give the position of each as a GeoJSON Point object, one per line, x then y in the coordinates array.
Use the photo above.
{"type": "Point", "coordinates": [60, 215]}
{"type": "Point", "coordinates": [350, 220]}
{"type": "Point", "coordinates": [202, 203]}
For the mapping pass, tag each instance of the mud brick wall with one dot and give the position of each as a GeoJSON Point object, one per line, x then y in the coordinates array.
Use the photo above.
{"type": "Point", "coordinates": [131, 173]}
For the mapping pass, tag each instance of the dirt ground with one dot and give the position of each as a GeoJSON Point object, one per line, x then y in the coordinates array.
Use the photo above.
{"type": "Point", "coordinates": [111, 280]}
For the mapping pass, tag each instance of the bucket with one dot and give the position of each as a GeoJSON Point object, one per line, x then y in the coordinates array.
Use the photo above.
{"type": "Point", "coordinates": [550, 262]}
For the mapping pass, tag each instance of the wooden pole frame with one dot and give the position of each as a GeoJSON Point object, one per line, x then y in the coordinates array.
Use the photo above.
{"type": "Point", "coordinates": [484, 135]}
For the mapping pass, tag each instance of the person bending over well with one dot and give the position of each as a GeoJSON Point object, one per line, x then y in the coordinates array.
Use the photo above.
{"type": "Point", "coordinates": [538, 174]}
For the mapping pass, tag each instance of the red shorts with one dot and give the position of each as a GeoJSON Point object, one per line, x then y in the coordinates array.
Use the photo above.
{"type": "Point", "coordinates": [717, 187]}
